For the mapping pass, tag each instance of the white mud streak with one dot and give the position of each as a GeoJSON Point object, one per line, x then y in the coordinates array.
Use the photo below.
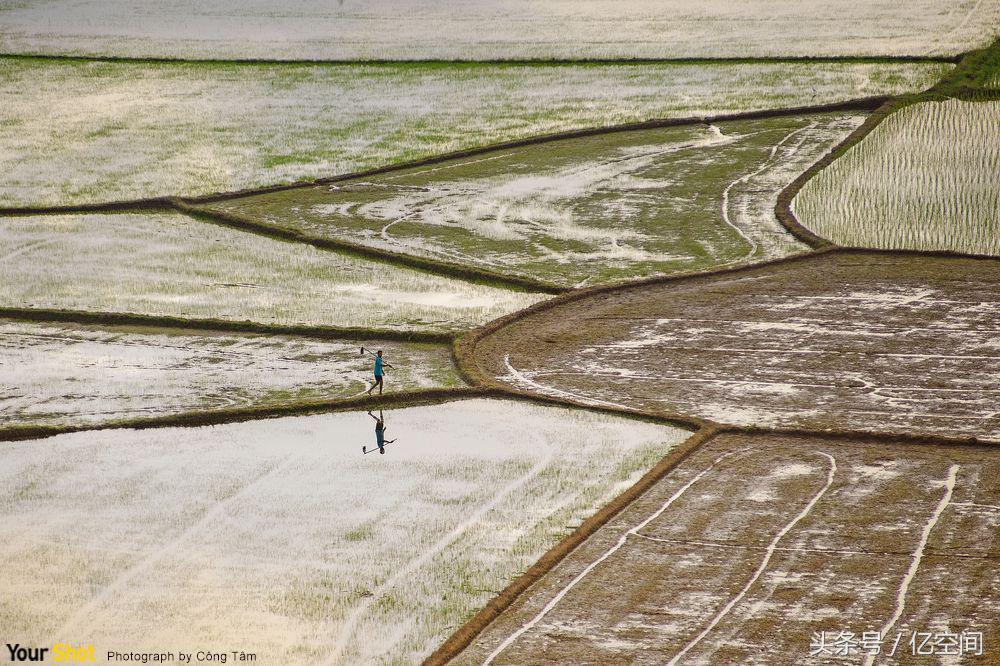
{"type": "Point", "coordinates": [717, 575]}
{"type": "Point", "coordinates": [912, 349]}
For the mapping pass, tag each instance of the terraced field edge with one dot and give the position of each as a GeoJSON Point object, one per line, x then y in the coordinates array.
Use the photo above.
{"type": "Point", "coordinates": [963, 82]}
{"type": "Point", "coordinates": [475, 625]}
{"type": "Point", "coordinates": [198, 418]}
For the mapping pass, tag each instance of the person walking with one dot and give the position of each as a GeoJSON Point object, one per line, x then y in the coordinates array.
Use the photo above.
{"type": "Point", "coordinates": [380, 366]}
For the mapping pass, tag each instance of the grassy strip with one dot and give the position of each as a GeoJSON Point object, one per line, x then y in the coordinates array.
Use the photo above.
{"type": "Point", "coordinates": [154, 205]}
{"type": "Point", "coordinates": [966, 82]}
{"type": "Point", "coordinates": [475, 625]}
{"type": "Point", "coordinates": [241, 414]}
{"type": "Point", "coordinates": [867, 435]}
{"type": "Point", "coordinates": [539, 62]}
{"type": "Point", "coordinates": [947, 254]}
{"type": "Point", "coordinates": [975, 70]}
{"type": "Point", "coordinates": [221, 325]}
{"type": "Point", "coordinates": [783, 207]}
{"type": "Point", "coordinates": [435, 266]}
{"type": "Point", "coordinates": [673, 419]}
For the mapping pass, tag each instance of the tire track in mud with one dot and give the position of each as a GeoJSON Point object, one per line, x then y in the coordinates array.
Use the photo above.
{"type": "Point", "coordinates": [918, 555]}
{"type": "Point", "coordinates": [763, 565]}
{"type": "Point", "coordinates": [608, 553]}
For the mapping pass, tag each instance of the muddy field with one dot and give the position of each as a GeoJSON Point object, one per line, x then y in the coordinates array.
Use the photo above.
{"type": "Point", "coordinates": [579, 211]}
{"type": "Point", "coordinates": [69, 374]}
{"type": "Point", "coordinates": [754, 543]}
{"type": "Point", "coordinates": [846, 340]}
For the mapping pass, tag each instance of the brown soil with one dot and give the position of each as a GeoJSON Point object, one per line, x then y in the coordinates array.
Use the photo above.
{"type": "Point", "coordinates": [844, 340]}
{"type": "Point", "coordinates": [840, 566]}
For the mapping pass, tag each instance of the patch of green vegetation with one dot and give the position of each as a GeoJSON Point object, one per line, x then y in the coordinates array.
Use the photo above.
{"type": "Point", "coordinates": [923, 176]}
{"type": "Point", "coordinates": [973, 79]}
{"type": "Point", "coordinates": [924, 179]}
{"type": "Point", "coordinates": [575, 212]}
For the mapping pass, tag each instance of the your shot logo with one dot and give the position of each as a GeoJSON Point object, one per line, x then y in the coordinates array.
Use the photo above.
{"type": "Point", "coordinates": [61, 653]}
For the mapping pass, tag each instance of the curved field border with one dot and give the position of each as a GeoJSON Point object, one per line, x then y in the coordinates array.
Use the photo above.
{"type": "Point", "coordinates": [966, 82]}
{"type": "Point", "coordinates": [464, 354]}
{"type": "Point", "coordinates": [196, 206]}
{"type": "Point", "coordinates": [464, 346]}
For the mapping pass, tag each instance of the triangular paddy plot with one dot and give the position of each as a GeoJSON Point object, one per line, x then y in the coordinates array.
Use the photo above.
{"type": "Point", "coordinates": [575, 212]}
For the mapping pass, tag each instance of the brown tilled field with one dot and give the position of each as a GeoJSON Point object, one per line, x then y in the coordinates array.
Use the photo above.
{"type": "Point", "coordinates": [843, 340]}
{"type": "Point", "coordinates": [755, 543]}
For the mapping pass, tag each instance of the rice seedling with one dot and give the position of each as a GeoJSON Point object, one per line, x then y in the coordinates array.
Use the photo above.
{"type": "Point", "coordinates": [925, 178]}
{"type": "Point", "coordinates": [69, 375]}
{"type": "Point", "coordinates": [78, 132]}
{"type": "Point", "coordinates": [581, 211]}
{"type": "Point", "coordinates": [279, 537]}
{"type": "Point", "coordinates": [168, 264]}
{"type": "Point", "coordinates": [395, 29]}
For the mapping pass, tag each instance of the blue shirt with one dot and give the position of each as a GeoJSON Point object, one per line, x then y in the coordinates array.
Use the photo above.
{"type": "Point", "coordinates": [378, 365]}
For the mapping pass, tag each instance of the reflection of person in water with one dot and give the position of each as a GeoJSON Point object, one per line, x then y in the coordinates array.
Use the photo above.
{"type": "Point", "coordinates": [380, 439]}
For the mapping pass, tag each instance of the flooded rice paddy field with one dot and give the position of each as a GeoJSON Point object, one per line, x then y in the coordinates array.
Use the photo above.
{"type": "Point", "coordinates": [169, 264]}
{"type": "Point", "coordinates": [81, 131]}
{"type": "Point", "coordinates": [755, 543]}
{"type": "Point", "coordinates": [578, 212]}
{"type": "Point", "coordinates": [69, 374]}
{"type": "Point", "coordinates": [512, 29]}
{"type": "Point", "coordinates": [282, 538]}
{"type": "Point", "coordinates": [924, 179]}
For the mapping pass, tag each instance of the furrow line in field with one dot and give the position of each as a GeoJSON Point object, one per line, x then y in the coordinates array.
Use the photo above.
{"type": "Point", "coordinates": [918, 555]}
{"type": "Point", "coordinates": [763, 565]}
{"type": "Point", "coordinates": [347, 630]}
{"type": "Point", "coordinates": [608, 553]}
